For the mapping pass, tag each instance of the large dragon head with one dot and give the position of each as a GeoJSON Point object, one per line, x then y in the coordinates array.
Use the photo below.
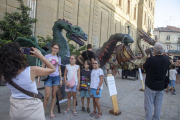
{"type": "Point", "coordinates": [74, 33]}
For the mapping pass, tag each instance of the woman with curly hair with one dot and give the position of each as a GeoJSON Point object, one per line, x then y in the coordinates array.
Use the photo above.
{"type": "Point", "coordinates": [14, 69]}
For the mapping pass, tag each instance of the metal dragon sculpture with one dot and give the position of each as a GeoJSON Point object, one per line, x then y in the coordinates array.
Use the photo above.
{"type": "Point", "coordinates": [105, 52]}
{"type": "Point", "coordinates": [74, 33]}
{"type": "Point", "coordinates": [125, 57]}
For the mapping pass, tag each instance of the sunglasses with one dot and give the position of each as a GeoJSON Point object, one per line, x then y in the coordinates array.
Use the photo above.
{"type": "Point", "coordinates": [94, 63]}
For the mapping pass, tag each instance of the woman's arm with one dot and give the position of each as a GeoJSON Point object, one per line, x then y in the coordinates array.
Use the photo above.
{"type": "Point", "coordinates": [39, 71]}
{"type": "Point", "coordinates": [78, 74]}
{"type": "Point", "coordinates": [38, 81]}
{"type": "Point", "coordinates": [59, 69]}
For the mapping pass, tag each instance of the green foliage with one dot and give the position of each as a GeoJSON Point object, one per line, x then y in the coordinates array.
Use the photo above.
{"type": "Point", "coordinates": [2, 42]}
{"type": "Point", "coordinates": [17, 24]}
{"type": "Point", "coordinates": [43, 41]}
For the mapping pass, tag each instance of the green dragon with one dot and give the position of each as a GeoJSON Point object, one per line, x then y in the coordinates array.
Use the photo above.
{"type": "Point", "coordinates": [74, 33]}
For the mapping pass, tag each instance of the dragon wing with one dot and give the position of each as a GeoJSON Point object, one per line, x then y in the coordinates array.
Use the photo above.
{"type": "Point", "coordinates": [24, 42]}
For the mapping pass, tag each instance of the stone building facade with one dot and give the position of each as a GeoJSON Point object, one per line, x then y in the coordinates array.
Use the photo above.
{"type": "Point", "coordinates": [98, 18]}
{"type": "Point", "coordinates": [169, 36]}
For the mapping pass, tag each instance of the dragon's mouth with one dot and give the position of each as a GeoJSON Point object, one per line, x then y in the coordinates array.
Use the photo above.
{"type": "Point", "coordinates": [78, 39]}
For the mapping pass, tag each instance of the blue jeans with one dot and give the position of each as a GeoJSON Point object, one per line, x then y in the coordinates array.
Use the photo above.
{"type": "Point", "coordinates": [53, 80]}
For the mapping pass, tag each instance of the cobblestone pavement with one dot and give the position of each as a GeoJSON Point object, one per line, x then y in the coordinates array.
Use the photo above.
{"type": "Point", "coordinates": [130, 101]}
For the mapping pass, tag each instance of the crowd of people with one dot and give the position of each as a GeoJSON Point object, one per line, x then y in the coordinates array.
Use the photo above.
{"type": "Point", "coordinates": [88, 81]}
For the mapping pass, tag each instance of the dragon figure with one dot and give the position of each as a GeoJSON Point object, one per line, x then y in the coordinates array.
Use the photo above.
{"type": "Point", "coordinates": [105, 52]}
{"type": "Point", "coordinates": [125, 56]}
{"type": "Point", "coordinates": [74, 33]}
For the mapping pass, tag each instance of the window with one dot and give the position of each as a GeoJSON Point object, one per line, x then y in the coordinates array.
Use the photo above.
{"type": "Point", "coordinates": [167, 47]}
{"type": "Point", "coordinates": [179, 38]}
{"type": "Point", "coordinates": [155, 37]}
{"type": "Point", "coordinates": [145, 19]}
{"type": "Point", "coordinates": [153, 10]}
{"type": "Point", "coordinates": [168, 37]}
{"type": "Point", "coordinates": [128, 8]}
{"type": "Point", "coordinates": [120, 3]}
{"type": "Point", "coordinates": [178, 47]}
{"type": "Point", "coordinates": [151, 5]}
{"type": "Point", "coordinates": [135, 13]}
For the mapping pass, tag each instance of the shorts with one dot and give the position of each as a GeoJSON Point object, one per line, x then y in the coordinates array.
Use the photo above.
{"type": "Point", "coordinates": [53, 80]}
{"type": "Point", "coordinates": [178, 74]}
{"type": "Point", "coordinates": [172, 83]}
{"type": "Point", "coordinates": [85, 93]}
{"type": "Point", "coordinates": [73, 89]}
{"type": "Point", "coordinates": [93, 92]}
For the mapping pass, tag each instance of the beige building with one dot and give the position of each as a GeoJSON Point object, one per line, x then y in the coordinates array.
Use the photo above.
{"type": "Point", "coordinates": [98, 18]}
{"type": "Point", "coordinates": [169, 36]}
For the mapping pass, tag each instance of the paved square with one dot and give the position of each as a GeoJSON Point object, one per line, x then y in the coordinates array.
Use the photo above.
{"type": "Point", "coordinates": [130, 101]}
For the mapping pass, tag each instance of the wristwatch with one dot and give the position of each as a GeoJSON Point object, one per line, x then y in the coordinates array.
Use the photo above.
{"type": "Point", "coordinates": [98, 88]}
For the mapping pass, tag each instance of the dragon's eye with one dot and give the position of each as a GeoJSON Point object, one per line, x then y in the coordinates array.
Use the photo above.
{"type": "Point", "coordinates": [77, 29]}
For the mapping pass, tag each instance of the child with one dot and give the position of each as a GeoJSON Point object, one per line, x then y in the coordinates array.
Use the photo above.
{"type": "Point", "coordinates": [54, 80]}
{"type": "Point", "coordinates": [72, 72]}
{"type": "Point", "coordinates": [85, 85]}
{"type": "Point", "coordinates": [172, 77]}
{"type": "Point", "coordinates": [96, 87]}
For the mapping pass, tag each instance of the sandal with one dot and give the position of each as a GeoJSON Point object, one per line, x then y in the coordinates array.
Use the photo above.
{"type": "Point", "coordinates": [66, 111]}
{"type": "Point", "coordinates": [88, 110]}
{"type": "Point", "coordinates": [98, 115]}
{"type": "Point", "coordinates": [83, 109]}
{"type": "Point", "coordinates": [52, 115]}
{"type": "Point", "coordinates": [93, 113]}
{"type": "Point", "coordinates": [74, 112]}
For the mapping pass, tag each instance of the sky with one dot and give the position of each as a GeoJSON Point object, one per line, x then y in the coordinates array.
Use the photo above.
{"type": "Point", "coordinates": [167, 12]}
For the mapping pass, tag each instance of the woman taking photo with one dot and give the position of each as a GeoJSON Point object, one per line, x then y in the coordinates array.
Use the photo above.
{"type": "Point", "coordinates": [54, 78]}
{"type": "Point", "coordinates": [14, 69]}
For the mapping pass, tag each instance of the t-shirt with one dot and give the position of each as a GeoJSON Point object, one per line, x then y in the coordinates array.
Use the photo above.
{"type": "Point", "coordinates": [172, 74]}
{"type": "Point", "coordinates": [85, 79]}
{"type": "Point", "coordinates": [87, 55]}
{"type": "Point", "coordinates": [156, 68]}
{"type": "Point", "coordinates": [55, 60]}
{"type": "Point", "coordinates": [95, 78]}
{"type": "Point", "coordinates": [70, 72]}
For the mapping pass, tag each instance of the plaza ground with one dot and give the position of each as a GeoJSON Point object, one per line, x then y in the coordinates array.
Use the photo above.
{"type": "Point", "coordinates": [130, 101]}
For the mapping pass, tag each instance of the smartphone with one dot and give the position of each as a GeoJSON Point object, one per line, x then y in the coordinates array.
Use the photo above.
{"type": "Point", "coordinates": [27, 51]}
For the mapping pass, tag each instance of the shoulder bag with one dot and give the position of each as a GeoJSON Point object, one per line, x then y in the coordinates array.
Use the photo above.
{"type": "Point", "coordinates": [167, 81]}
{"type": "Point", "coordinates": [31, 94]}
{"type": "Point", "coordinates": [72, 81]}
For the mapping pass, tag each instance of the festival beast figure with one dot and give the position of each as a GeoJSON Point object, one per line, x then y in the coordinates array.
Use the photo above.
{"type": "Point", "coordinates": [74, 33]}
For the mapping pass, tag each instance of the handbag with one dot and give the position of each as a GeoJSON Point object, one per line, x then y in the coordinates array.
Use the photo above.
{"type": "Point", "coordinates": [167, 81]}
{"type": "Point", "coordinates": [45, 78]}
{"type": "Point", "coordinates": [72, 81]}
{"type": "Point", "coordinates": [31, 94]}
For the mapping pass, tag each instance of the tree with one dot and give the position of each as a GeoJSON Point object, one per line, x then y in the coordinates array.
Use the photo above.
{"type": "Point", "coordinates": [17, 24]}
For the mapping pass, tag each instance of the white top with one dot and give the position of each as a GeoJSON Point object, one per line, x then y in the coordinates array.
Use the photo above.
{"type": "Point", "coordinates": [70, 71]}
{"type": "Point", "coordinates": [172, 74]}
{"type": "Point", "coordinates": [95, 78]}
{"type": "Point", "coordinates": [23, 80]}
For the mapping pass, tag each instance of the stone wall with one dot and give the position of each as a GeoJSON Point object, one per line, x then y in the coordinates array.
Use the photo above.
{"type": "Point", "coordinates": [98, 18]}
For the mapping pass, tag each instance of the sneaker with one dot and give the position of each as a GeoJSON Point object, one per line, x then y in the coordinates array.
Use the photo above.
{"type": "Point", "coordinates": [83, 109]}
{"type": "Point", "coordinates": [88, 110]}
{"type": "Point", "coordinates": [173, 94]}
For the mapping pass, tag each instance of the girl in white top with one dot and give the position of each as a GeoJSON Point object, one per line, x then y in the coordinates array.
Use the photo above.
{"type": "Point", "coordinates": [96, 87]}
{"type": "Point", "coordinates": [68, 75]}
{"type": "Point", "coordinates": [14, 68]}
